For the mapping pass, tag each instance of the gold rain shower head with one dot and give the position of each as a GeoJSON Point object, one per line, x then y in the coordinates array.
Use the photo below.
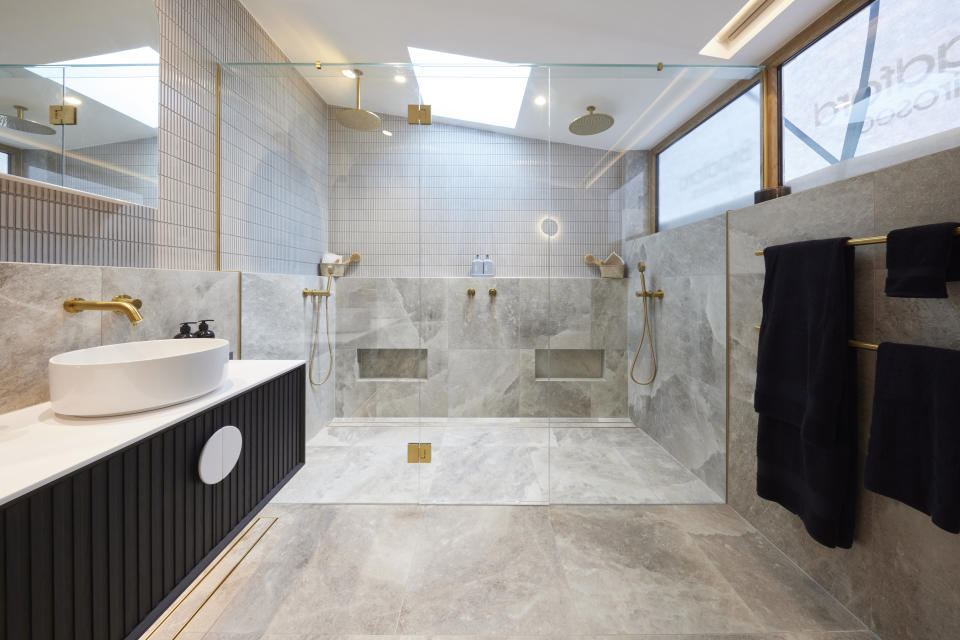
{"type": "Point", "coordinates": [357, 118]}
{"type": "Point", "coordinates": [591, 124]}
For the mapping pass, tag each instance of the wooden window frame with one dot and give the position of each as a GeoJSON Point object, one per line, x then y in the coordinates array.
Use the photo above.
{"type": "Point", "coordinates": [769, 78]}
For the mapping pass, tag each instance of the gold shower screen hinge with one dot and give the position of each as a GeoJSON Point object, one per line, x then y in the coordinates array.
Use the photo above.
{"type": "Point", "coordinates": [63, 114]}
{"type": "Point", "coordinates": [418, 114]}
{"type": "Point", "coordinates": [418, 452]}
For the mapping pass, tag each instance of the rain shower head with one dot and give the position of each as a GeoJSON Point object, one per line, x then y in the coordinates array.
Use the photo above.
{"type": "Point", "coordinates": [591, 124]}
{"type": "Point", "coordinates": [19, 123]}
{"type": "Point", "coordinates": [357, 118]}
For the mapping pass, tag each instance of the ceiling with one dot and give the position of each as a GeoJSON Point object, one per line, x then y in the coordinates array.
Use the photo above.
{"type": "Point", "coordinates": [646, 105]}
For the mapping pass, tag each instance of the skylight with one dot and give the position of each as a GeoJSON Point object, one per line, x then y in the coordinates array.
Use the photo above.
{"type": "Point", "coordinates": [132, 90]}
{"type": "Point", "coordinates": [470, 89]}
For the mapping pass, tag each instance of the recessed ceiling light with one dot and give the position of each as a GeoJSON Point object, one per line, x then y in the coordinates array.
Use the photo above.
{"type": "Point", "coordinates": [470, 89]}
{"type": "Point", "coordinates": [752, 18]}
{"type": "Point", "coordinates": [387, 133]}
{"type": "Point", "coordinates": [349, 73]}
{"type": "Point", "coordinates": [72, 100]}
{"type": "Point", "coordinates": [540, 101]}
{"type": "Point", "coordinates": [400, 78]}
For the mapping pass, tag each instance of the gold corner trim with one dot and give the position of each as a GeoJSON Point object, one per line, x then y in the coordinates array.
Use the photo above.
{"type": "Point", "coordinates": [216, 172]}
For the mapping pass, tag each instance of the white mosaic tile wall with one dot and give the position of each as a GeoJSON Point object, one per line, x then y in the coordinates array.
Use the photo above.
{"type": "Point", "coordinates": [273, 160]}
{"type": "Point", "coordinates": [425, 201]}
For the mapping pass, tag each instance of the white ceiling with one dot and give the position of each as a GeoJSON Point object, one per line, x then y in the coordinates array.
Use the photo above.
{"type": "Point", "coordinates": [646, 105]}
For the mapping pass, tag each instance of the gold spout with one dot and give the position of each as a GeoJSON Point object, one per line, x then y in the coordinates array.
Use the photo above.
{"type": "Point", "coordinates": [120, 304]}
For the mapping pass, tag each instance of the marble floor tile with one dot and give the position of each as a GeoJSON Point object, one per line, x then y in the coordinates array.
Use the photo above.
{"type": "Point", "coordinates": [340, 568]}
{"type": "Point", "coordinates": [486, 465]}
{"type": "Point", "coordinates": [619, 466]}
{"type": "Point", "coordinates": [630, 571]}
{"type": "Point", "coordinates": [689, 572]}
{"type": "Point", "coordinates": [356, 465]}
{"type": "Point", "coordinates": [490, 570]}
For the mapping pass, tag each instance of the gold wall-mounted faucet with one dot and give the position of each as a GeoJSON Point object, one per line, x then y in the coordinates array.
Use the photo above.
{"type": "Point", "coordinates": [321, 293]}
{"type": "Point", "coordinates": [120, 304]}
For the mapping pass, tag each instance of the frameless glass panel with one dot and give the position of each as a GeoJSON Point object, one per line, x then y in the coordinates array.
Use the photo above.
{"type": "Point", "coordinates": [429, 351]}
{"type": "Point", "coordinates": [715, 167]}
{"type": "Point", "coordinates": [614, 441]}
{"type": "Point", "coordinates": [883, 86]}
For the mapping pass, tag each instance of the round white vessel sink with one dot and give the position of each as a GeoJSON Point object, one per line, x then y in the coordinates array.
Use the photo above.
{"type": "Point", "coordinates": [136, 376]}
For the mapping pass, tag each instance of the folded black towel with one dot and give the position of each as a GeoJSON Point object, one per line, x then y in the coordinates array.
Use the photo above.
{"type": "Point", "coordinates": [921, 260]}
{"type": "Point", "coordinates": [806, 387]}
{"type": "Point", "coordinates": [914, 450]}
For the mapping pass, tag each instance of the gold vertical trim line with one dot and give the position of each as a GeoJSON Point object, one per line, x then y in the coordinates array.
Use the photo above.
{"type": "Point", "coordinates": [239, 315]}
{"type": "Point", "coordinates": [770, 106]}
{"type": "Point", "coordinates": [726, 458]}
{"type": "Point", "coordinates": [216, 171]}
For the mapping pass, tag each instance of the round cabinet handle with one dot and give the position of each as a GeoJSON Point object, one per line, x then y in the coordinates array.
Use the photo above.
{"type": "Point", "coordinates": [492, 292]}
{"type": "Point", "coordinates": [471, 292]}
{"type": "Point", "coordinates": [220, 454]}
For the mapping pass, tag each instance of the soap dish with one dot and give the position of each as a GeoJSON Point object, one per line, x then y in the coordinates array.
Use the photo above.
{"type": "Point", "coordinates": [611, 267]}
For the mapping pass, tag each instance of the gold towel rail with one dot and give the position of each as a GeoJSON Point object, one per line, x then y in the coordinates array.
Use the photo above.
{"type": "Point", "coordinates": [853, 242]}
{"type": "Point", "coordinates": [856, 344]}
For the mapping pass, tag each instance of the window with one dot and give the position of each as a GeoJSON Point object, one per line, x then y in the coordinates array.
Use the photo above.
{"type": "Point", "coordinates": [715, 167]}
{"type": "Point", "coordinates": [880, 88]}
{"type": "Point", "coordinates": [4, 162]}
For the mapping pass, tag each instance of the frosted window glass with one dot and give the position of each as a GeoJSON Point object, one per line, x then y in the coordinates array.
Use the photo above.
{"type": "Point", "coordinates": [715, 167]}
{"type": "Point", "coordinates": [887, 76]}
{"type": "Point", "coordinates": [4, 162]}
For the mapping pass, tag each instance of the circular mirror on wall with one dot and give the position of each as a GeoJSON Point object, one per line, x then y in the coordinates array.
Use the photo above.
{"type": "Point", "coordinates": [79, 96]}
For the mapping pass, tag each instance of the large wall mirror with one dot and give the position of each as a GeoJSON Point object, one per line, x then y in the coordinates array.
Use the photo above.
{"type": "Point", "coordinates": [101, 58]}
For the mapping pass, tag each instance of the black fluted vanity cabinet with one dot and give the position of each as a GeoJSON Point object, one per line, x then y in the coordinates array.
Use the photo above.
{"type": "Point", "coordinates": [100, 553]}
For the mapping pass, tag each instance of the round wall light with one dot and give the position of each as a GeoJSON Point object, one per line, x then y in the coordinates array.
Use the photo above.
{"type": "Point", "coordinates": [549, 227]}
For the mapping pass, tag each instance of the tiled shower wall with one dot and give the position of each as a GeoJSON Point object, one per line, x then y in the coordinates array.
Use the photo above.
{"type": "Point", "coordinates": [425, 201]}
{"type": "Point", "coordinates": [481, 350]}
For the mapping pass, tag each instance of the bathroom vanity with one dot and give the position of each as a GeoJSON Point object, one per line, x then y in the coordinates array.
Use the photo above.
{"type": "Point", "coordinates": [104, 521]}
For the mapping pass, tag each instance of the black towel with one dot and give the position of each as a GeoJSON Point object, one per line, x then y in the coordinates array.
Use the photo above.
{"type": "Point", "coordinates": [914, 450]}
{"type": "Point", "coordinates": [806, 387]}
{"type": "Point", "coordinates": [921, 260]}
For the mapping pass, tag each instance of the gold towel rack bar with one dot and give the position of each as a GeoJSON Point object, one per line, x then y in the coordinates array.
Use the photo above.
{"type": "Point", "coordinates": [856, 344]}
{"type": "Point", "coordinates": [853, 242]}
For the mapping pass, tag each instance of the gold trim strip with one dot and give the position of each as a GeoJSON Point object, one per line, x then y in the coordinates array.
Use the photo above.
{"type": "Point", "coordinates": [216, 171]}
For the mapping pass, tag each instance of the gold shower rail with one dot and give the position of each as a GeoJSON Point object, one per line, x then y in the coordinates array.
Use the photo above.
{"type": "Point", "coordinates": [853, 242]}
{"type": "Point", "coordinates": [856, 344]}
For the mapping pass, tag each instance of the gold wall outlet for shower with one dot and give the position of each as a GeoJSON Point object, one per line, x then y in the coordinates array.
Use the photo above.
{"type": "Point", "coordinates": [418, 452]}
{"type": "Point", "coordinates": [63, 114]}
{"type": "Point", "coordinates": [418, 114]}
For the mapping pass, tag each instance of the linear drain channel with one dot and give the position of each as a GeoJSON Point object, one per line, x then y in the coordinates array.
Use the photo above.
{"type": "Point", "coordinates": [183, 611]}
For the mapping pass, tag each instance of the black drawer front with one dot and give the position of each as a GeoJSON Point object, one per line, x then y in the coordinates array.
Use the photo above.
{"type": "Point", "coordinates": [95, 554]}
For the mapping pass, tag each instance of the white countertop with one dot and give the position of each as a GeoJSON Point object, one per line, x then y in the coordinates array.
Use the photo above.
{"type": "Point", "coordinates": [38, 446]}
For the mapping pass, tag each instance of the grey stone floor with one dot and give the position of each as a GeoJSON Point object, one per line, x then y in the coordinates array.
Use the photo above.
{"type": "Point", "coordinates": [324, 571]}
{"type": "Point", "coordinates": [492, 461]}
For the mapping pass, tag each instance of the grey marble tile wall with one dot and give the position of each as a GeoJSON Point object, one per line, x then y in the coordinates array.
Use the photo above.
{"type": "Point", "coordinates": [279, 323]}
{"type": "Point", "coordinates": [481, 350]}
{"type": "Point", "coordinates": [685, 407]}
{"type": "Point", "coordinates": [902, 576]}
{"type": "Point", "coordinates": [424, 201]}
{"type": "Point", "coordinates": [35, 327]}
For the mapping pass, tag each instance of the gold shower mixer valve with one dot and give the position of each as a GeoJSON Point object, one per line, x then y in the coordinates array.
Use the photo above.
{"type": "Point", "coordinates": [643, 293]}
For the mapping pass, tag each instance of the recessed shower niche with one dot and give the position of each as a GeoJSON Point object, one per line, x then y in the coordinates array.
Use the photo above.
{"type": "Point", "coordinates": [392, 364]}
